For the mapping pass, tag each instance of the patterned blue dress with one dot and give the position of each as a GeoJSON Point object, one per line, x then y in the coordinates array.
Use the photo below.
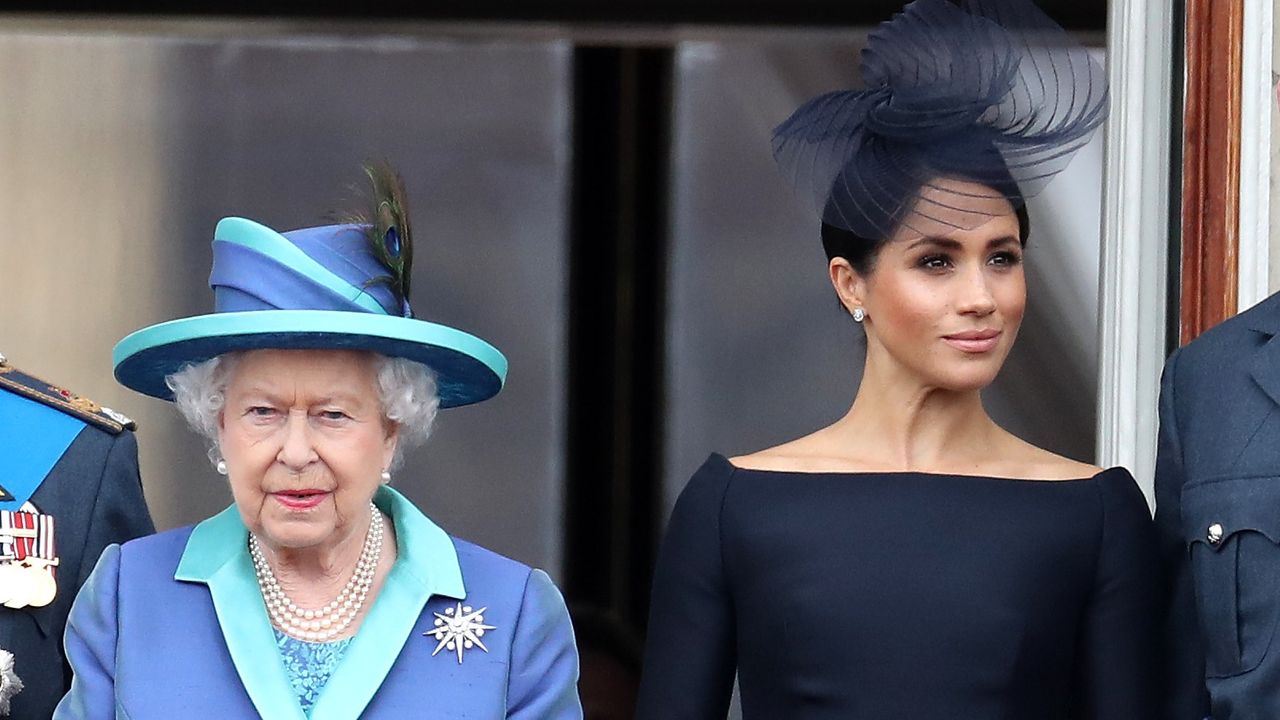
{"type": "Point", "coordinates": [309, 665]}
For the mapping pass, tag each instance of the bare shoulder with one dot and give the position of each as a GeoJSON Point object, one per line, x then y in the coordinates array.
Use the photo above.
{"type": "Point", "coordinates": [1042, 464]}
{"type": "Point", "coordinates": [819, 452]}
{"type": "Point", "coordinates": [805, 454]}
{"type": "Point", "coordinates": [779, 457]}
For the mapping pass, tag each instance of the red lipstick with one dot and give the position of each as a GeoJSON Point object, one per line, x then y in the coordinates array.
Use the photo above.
{"type": "Point", "coordinates": [303, 499]}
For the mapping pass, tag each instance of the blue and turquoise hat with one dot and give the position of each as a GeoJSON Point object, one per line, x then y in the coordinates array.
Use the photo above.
{"type": "Point", "coordinates": [313, 288]}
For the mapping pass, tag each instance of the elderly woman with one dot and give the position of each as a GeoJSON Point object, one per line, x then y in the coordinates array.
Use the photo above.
{"type": "Point", "coordinates": [322, 592]}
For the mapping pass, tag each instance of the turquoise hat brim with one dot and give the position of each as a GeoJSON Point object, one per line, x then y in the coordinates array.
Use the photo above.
{"type": "Point", "coordinates": [468, 369]}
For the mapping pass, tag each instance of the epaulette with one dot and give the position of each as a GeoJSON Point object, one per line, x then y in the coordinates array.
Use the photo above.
{"type": "Point", "coordinates": [82, 408]}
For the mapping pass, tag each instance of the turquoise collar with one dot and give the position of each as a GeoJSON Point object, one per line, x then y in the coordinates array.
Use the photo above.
{"type": "Point", "coordinates": [427, 564]}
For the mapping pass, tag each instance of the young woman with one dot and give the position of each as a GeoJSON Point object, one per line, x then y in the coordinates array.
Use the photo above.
{"type": "Point", "coordinates": [914, 559]}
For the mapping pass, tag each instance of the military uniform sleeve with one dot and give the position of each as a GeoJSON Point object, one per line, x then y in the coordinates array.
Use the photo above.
{"type": "Point", "coordinates": [92, 630]}
{"type": "Point", "coordinates": [119, 510]}
{"type": "Point", "coordinates": [1182, 662]}
{"type": "Point", "coordinates": [544, 659]}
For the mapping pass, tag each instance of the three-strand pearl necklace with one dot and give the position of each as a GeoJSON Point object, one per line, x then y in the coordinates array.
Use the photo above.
{"type": "Point", "coordinates": [331, 620]}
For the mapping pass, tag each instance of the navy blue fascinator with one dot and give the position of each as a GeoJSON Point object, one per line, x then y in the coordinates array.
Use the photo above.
{"type": "Point", "coordinates": [991, 92]}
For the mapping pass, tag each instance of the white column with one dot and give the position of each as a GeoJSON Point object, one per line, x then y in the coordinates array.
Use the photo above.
{"type": "Point", "coordinates": [1135, 235]}
{"type": "Point", "coordinates": [1255, 158]}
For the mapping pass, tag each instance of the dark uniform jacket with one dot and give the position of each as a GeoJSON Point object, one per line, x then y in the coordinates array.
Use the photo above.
{"type": "Point", "coordinates": [92, 491]}
{"type": "Point", "coordinates": [1218, 511]}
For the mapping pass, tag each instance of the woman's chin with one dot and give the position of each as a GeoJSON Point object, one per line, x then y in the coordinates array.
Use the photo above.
{"type": "Point", "coordinates": [297, 533]}
{"type": "Point", "coordinates": [968, 379]}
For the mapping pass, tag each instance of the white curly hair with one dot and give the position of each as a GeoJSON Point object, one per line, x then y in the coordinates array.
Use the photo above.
{"type": "Point", "coordinates": [406, 390]}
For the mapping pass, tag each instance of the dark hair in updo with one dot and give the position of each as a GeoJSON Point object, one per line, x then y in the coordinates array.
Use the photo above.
{"type": "Point", "coordinates": [861, 251]}
{"type": "Point", "coordinates": [891, 201]}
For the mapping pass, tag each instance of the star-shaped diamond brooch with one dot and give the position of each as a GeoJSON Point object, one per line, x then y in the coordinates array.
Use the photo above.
{"type": "Point", "coordinates": [458, 629]}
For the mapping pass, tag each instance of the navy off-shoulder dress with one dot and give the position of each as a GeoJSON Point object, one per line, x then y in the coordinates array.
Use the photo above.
{"type": "Point", "coordinates": [914, 596]}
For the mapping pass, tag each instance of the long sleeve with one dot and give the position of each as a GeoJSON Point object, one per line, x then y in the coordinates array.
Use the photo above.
{"type": "Point", "coordinates": [119, 510]}
{"type": "Point", "coordinates": [92, 629]}
{"type": "Point", "coordinates": [1182, 665]}
{"type": "Point", "coordinates": [690, 654]}
{"type": "Point", "coordinates": [544, 659]}
{"type": "Point", "coordinates": [1117, 678]}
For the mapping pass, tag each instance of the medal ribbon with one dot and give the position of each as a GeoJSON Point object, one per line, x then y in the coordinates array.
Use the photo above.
{"type": "Point", "coordinates": [46, 549]}
{"type": "Point", "coordinates": [26, 534]}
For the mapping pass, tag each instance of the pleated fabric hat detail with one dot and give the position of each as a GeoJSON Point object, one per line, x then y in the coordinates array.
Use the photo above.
{"type": "Point", "coordinates": [342, 286]}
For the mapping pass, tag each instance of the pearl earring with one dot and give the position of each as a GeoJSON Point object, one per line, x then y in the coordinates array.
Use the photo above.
{"type": "Point", "coordinates": [859, 314]}
{"type": "Point", "coordinates": [221, 467]}
{"type": "Point", "coordinates": [386, 476]}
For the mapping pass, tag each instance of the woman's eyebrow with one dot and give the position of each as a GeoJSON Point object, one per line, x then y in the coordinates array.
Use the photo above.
{"type": "Point", "coordinates": [339, 398]}
{"type": "Point", "coordinates": [948, 243]}
{"type": "Point", "coordinates": [260, 391]}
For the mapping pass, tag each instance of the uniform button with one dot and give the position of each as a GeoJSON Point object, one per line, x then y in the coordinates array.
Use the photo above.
{"type": "Point", "coordinates": [1215, 533]}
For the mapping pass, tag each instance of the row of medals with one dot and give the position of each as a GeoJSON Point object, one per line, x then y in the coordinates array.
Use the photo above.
{"type": "Point", "coordinates": [28, 582]}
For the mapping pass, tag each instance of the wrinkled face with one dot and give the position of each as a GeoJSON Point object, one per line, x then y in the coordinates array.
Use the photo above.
{"type": "Point", "coordinates": [944, 304]}
{"type": "Point", "coordinates": [305, 443]}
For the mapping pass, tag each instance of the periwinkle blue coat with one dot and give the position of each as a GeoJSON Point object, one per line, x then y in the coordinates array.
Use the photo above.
{"type": "Point", "coordinates": [174, 626]}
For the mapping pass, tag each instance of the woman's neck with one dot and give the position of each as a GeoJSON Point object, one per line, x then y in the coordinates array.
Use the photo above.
{"type": "Point", "coordinates": [313, 576]}
{"type": "Point", "coordinates": [899, 422]}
